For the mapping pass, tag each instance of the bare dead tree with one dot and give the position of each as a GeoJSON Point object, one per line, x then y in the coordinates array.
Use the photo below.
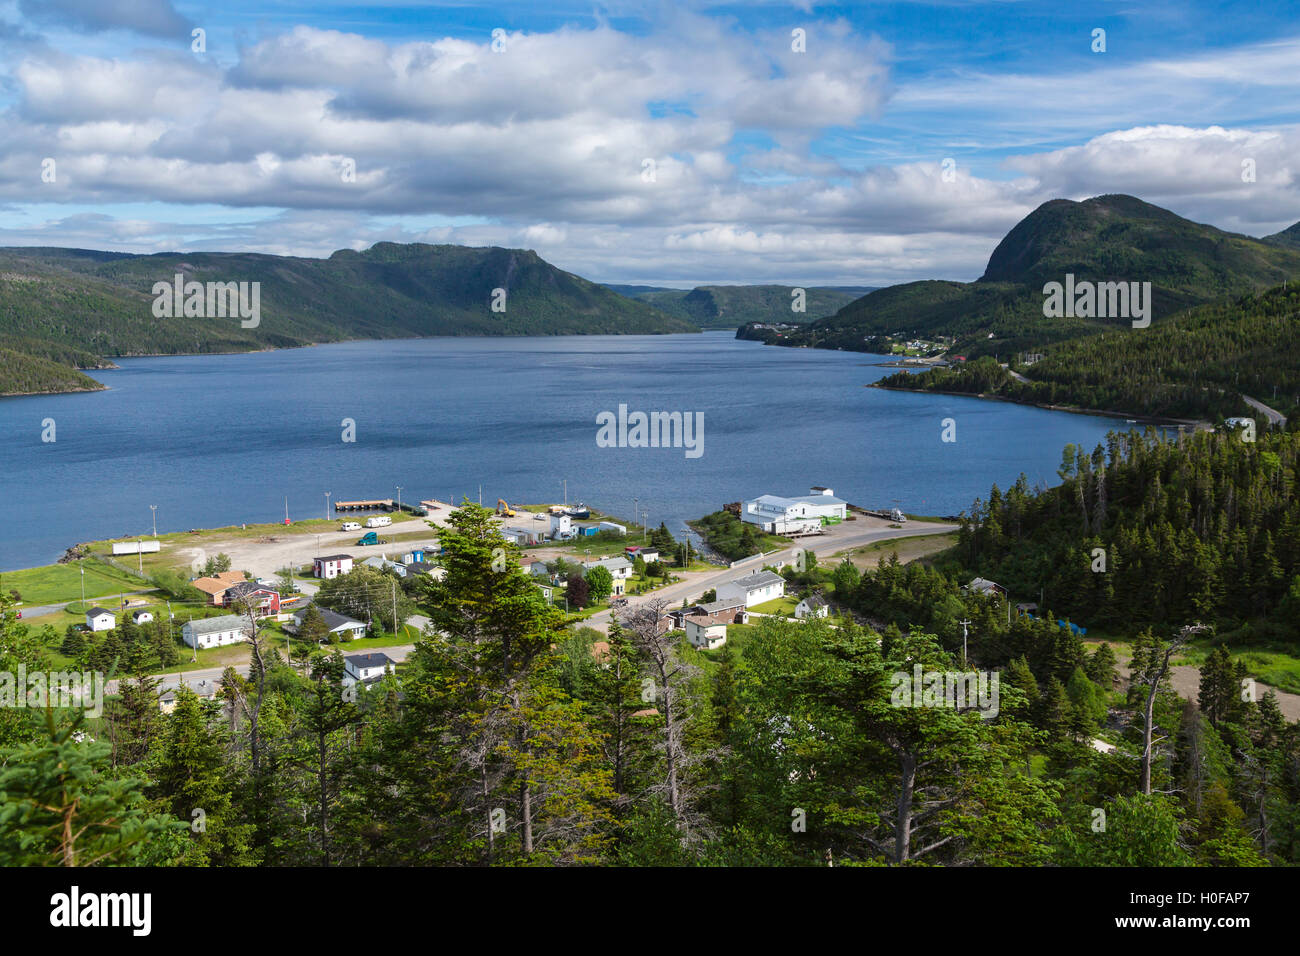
{"type": "Point", "coordinates": [654, 638]}
{"type": "Point", "coordinates": [1151, 678]}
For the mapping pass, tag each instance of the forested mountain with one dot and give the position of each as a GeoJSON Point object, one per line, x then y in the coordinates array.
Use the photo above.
{"type": "Point", "coordinates": [1196, 365]}
{"type": "Point", "coordinates": [70, 301]}
{"type": "Point", "coordinates": [730, 306]}
{"type": "Point", "coordinates": [1113, 238]}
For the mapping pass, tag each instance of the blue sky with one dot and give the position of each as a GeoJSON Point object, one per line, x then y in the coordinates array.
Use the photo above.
{"type": "Point", "coordinates": [824, 166]}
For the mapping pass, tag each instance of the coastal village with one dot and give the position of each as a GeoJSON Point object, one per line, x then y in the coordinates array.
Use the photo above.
{"type": "Point", "coordinates": [350, 581]}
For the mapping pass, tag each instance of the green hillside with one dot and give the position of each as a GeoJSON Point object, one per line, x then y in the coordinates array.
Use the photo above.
{"type": "Point", "coordinates": [1197, 364]}
{"type": "Point", "coordinates": [74, 306]}
{"type": "Point", "coordinates": [1108, 238]}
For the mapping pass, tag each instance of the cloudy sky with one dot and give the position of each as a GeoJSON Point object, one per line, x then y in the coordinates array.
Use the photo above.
{"type": "Point", "coordinates": [659, 143]}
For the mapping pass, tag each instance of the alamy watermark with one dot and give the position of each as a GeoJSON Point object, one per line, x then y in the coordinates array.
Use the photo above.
{"type": "Point", "coordinates": [651, 430]}
{"type": "Point", "coordinates": [961, 690]}
{"type": "Point", "coordinates": [1098, 300]}
{"type": "Point", "coordinates": [212, 300]}
{"type": "Point", "coordinates": [74, 690]}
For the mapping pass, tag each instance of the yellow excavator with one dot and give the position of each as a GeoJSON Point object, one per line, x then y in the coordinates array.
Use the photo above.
{"type": "Point", "coordinates": [504, 509]}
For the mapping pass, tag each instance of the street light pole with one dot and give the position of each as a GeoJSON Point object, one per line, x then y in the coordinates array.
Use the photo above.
{"type": "Point", "coordinates": [327, 506]}
{"type": "Point", "coordinates": [963, 641]}
{"type": "Point", "coordinates": [154, 510]}
{"type": "Point", "coordinates": [399, 497]}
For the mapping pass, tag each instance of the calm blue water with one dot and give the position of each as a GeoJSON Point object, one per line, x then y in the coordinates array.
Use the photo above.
{"type": "Point", "coordinates": [222, 439]}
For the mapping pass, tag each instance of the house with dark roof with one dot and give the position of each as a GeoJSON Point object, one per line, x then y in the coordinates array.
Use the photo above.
{"type": "Point", "coordinates": [366, 668]}
{"type": "Point", "coordinates": [344, 627]}
{"type": "Point", "coordinates": [814, 605]}
{"type": "Point", "coordinates": [100, 619]}
{"type": "Point", "coordinates": [263, 600]}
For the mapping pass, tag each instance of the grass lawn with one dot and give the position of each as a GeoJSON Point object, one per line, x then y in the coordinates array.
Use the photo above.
{"type": "Point", "coordinates": [56, 583]}
{"type": "Point", "coordinates": [783, 606]}
{"type": "Point", "coordinates": [1271, 664]}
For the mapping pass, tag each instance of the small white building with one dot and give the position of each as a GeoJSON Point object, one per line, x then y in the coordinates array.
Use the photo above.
{"type": "Point", "coordinates": [706, 631]}
{"type": "Point", "coordinates": [561, 526]}
{"type": "Point", "coordinates": [332, 565]}
{"type": "Point", "coordinates": [648, 555]}
{"type": "Point", "coordinates": [612, 526]}
{"type": "Point", "coordinates": [778, 515]}
{"type": "Point", "coordinates": [366, 668]}
{"type": "Point", "coordinates": [812, 606]}
{"type": "Point", "coordinates": [380, 563]}
{"type": "Point", "coordinates": [215, 631]}
{"type": "Point", "coordinates": [143, 616]}
{"type": "Point", "coordinates": [100, 619]}
{"type": "Point", "coordinates": [753, 588]}
{"type": "Point", "coordinates": [618, 566]}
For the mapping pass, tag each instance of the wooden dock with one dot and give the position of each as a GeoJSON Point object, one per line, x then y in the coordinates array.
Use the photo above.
{"type": "Point", "coordinates": [374, 504]}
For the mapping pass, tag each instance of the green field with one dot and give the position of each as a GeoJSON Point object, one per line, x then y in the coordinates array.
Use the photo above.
{"type": "Point", "coordinates": [55, 583]}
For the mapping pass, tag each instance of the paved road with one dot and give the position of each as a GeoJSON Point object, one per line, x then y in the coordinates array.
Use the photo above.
{"type": "Point", "coordinates": [1016, 375]}
{"type": "Point", "coordinates": [1274, 417]}
{"type": "Point", "coordinates": [843, 538]}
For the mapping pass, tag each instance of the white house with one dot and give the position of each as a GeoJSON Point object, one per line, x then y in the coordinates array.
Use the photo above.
{"type": "Point", "coordinates": [332, 565]}
{"type": "Point", "coordinates": [753, 588]}
{"type": "Point", "coordinates": [215, 631]}
{"type": "Point", "coordinates": [648, 555]}
{"type": "Point", "coordinates": [618, 566]}
{"type": "Point", "coordinates": [142, 617]}
{"type": "Point", "coordinates": [344, 627]}
{"type": "Point", "coordinates": [379, 563]}
{"type": "Point", "coordinates": [705, 630]}
{"type": "Point", "coordinates": [366, 668]}
{"type": "Point", "coordinates": [99, 619]}
{"type": "Point", "coordinates": [778, 515]}
{"type": "Point", "coordinates": [561, 526]}
{"type": "Point", "coordinates": [812, 606]}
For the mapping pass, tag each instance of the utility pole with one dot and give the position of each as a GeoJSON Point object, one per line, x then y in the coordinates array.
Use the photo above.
{"type": "Point", "coordinates": [394, 609]}
{"type": "Point", "coordinates": [399, 497]}
{"type": "Point", "coordinates": [83, 585]}
{"type": "Point", "coordinates": [286, 509]}
{"type": "Point", "coordinates": [963, 624]}
{"type": "Point", "coordinates": [327, 506]}
{"type": "Point", "coordinates": [154, 508]}
{"type": "Point", "coordinates": [139, 553]}
{"type": "Point", "coordinates": [566, 492]}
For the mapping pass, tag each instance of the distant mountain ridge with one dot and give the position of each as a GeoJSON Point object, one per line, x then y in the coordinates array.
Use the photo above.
{"type": "Point", "coordinates": [731, 306]}
{"type": "Point", "coordinates": [65, 303]}
{"type": "Point", "coordinates": [1107, 238]}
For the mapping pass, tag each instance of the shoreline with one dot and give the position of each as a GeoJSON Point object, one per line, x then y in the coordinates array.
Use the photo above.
{"type": "Point", "coordinates": [1157, 420]}
{"type": "Point", "coordinates": [310, 345]}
